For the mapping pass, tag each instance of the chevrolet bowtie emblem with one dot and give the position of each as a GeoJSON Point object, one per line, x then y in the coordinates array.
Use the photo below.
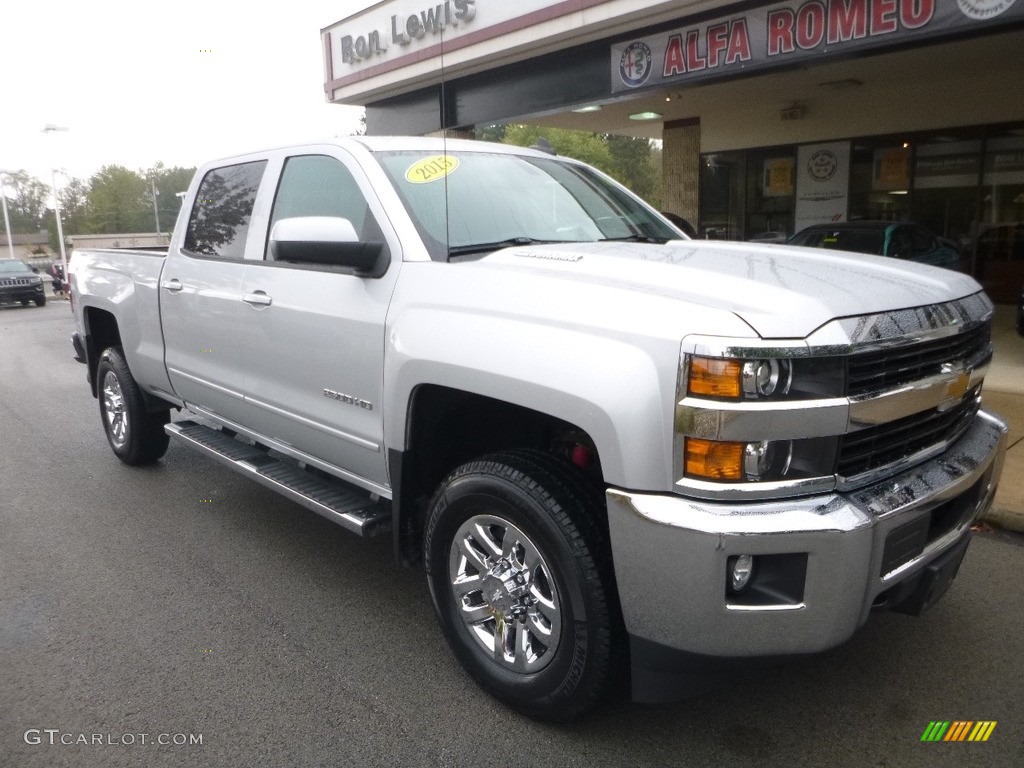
{"type": "Point", "coordinates": [956, 389]}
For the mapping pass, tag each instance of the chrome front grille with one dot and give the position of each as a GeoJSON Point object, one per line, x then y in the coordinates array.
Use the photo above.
{"type": "Point", "coordinates": [9, 282]}
{"type": "Point", "coordinates": [869, 449]}
{"type": "Point", "coordinates": [874, 371]}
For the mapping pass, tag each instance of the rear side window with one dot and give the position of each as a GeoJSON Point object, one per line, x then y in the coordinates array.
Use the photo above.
{"type": "Point", "coordinates": [220, 216]}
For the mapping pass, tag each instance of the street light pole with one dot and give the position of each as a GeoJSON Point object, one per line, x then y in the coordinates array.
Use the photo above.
{"type": "Point", "coordinates": [50, 128]}
{"type": "Point", "coordinates": [60, 230]}
{"type": "Point", "coordinates": [156, 211]}
{"type": "Point", "coordinates": [7, 220]}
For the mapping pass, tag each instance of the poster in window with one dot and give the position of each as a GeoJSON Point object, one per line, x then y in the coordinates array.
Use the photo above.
{"type": "Point", "coordinates": [822, 183]}
{"type": "Point", "coordinates": [778, 177]}
{"type": "Point", "coordinates": [890, 170]}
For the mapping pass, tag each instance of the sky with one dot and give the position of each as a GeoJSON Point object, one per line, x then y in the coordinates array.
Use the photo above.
{"type": "Point", "coordinates": [182, 82]}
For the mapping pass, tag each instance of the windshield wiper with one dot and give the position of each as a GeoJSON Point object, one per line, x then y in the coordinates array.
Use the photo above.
{"type": "Point", "coordinates": [463, 250]}
{"type": "Point", "coordinates": [634, 239]}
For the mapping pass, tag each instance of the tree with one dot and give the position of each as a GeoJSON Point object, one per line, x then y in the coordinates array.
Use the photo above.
{"type": "Point", "coordinates": [169, 182]}
{"type": "Point", "coordinates": [74, 201]}
{"type": "Point", "coordinates": [588, 147]}
{"type": "Point", "coordinates": [495, 132]}
{"type": "Point", "coordinates": [74, 206]}
{"type": "Point", "coordinates": [119, 201]}
{"type": "Point", "coordinates": [633, 166]}
{"type": "Point", "coordinates": [634, 162]}
{"type": "Point", "coordinates": [26, 202]}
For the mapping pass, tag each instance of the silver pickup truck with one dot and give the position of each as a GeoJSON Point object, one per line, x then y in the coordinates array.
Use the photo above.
{"type": "Point", "coordinates": [622, 457]}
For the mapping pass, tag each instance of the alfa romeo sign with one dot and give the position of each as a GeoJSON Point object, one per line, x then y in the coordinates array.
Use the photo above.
{"type": "Point", "coordinates": [797, 30]}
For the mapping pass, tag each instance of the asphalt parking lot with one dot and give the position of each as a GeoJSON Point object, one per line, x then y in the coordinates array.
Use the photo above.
{"type": "Point", "coordinates": [182, 600]}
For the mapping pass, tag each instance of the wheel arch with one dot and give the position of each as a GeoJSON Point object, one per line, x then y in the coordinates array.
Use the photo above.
{"type": "Point", "coordinates": [102, 331]}
{"type": "Point", "coordinates": [446, 427]}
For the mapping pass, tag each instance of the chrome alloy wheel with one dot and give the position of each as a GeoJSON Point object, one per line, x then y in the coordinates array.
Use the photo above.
{"type": "Point", "coordinates": [114, 410]}
{"type": "Point", "coordinates": [505, 594]}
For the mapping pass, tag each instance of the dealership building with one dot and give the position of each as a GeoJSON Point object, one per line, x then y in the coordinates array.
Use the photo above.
{"type": "Point", "coordinates": [772, 116]}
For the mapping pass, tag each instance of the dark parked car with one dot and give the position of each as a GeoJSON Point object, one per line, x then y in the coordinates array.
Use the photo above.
{"type": "Point", "coordinates": [900, 240]}
{"type": "Point", "coordinates": [1020, 312]}
{"type": "Point", "coordinates": [20, 282]}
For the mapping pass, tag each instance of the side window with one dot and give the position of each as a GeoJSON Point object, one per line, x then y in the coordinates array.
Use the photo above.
{"type": "Point", "coordinates": [317, 185]}
{"type": "Point", "coordinates": [220, 216]}
{"type": "Point", "coordinates": [923, 241]}
{"type": "Point", "coordinates": [901, 246]}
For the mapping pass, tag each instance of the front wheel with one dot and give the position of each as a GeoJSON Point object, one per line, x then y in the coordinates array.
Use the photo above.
{"type": "Point", "coordinates": [136, 436]}
{"type": "Point", "coordinates": [521, 582]}
{"type": "Point", "coordinates": [40, 301]}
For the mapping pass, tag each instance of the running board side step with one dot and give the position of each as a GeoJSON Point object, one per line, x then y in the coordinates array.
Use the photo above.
{"type": "Point", "coordinates": [348, 506]}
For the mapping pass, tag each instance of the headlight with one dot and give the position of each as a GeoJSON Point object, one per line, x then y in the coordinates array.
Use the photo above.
{"type": "Point", "coordinates": [733, 379]}
{"type": "Point", "coordinates": [768, 378]}
{"type": "Point", "coordinates": [765, 460]}
{"type": "Point", "coordinates": [741, 419]}
{"type": "Point", "coordinates": [715, 377]}
{"type": "Point", "coordinates": [765, 378]}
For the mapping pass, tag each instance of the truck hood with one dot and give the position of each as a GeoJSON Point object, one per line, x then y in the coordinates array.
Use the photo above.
{"type": "Point", "coordinates": [780, 291]}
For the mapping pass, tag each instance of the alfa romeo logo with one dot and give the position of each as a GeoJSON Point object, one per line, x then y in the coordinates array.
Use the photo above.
{"type": "Point", "coordinates": [635, 64]}
{"type": "Point", "coordinates": [981, 10]}
{"type": "Point", "coordinates": [823, 165]}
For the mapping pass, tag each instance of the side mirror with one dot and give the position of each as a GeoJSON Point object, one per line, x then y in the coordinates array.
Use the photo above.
{"type": "Point", "coordinates": [35, 269]}
{"type": "Point", "coordinates": [327, 240]}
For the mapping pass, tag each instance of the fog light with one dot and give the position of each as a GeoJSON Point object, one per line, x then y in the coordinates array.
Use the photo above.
{"type": "Point", "coordinates": [741, 569]}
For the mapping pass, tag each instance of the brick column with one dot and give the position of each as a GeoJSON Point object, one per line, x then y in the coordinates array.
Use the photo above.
{"type": "Point", "coordinates": [680, 160]}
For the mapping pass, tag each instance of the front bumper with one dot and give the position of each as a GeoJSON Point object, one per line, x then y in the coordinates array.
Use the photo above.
{"type": "Point", "coordinates": [17, 293]}
{"type": "Point", "coordinates": [825, 561]}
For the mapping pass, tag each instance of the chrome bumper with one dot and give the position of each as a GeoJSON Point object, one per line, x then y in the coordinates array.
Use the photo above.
{"type": "Point", "coordinates": [827, 559]}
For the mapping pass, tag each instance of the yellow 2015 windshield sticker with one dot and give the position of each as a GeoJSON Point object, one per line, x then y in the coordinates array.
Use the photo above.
{"type": "Point", "coordinates": [431, 169]}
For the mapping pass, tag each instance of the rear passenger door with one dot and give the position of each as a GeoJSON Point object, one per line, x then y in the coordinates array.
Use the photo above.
{"type": "Point", "coordinates": [202, 313]}
{"type": "Point", "coordinates": [315, 345]}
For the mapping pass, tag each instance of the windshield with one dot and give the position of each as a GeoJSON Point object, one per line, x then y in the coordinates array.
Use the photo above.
{"type": "Point", "coordinates": [13, 265]}
{"type": "Point", "coordinates": [474, 202]}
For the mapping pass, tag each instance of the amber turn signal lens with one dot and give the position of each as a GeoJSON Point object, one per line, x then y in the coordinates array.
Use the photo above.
{"type": "Point", "coordinates": [715, 377]}
{"type": "Point", "coordinates": [713, 460]}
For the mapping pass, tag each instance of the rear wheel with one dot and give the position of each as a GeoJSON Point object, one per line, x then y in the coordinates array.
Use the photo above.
{"type": "Point", "coordinates": [136, 436]}
{"type": "Point", "coordinates": [521, 582]}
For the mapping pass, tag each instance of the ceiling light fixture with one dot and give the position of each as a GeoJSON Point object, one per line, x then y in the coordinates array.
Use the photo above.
{"type": "Point", "coordinates": [646, 116]}
{"type": "Point", "coordinates": [839, 85]}
{"type": "Point", "coordinates": [588, 108]}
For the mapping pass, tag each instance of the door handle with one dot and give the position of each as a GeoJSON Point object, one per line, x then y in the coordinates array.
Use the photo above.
{"type": "Point", "coordinates": [257, 299]}
{"type": "Point", "coordinates": [173, 286]}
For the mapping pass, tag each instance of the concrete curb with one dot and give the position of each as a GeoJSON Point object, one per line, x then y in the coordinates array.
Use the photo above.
{"type": "Point", "coordinates": [1005, 519]}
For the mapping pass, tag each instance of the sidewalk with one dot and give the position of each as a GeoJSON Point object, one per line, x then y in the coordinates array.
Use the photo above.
{"type": "Point", "coordinates": [1004, 395]}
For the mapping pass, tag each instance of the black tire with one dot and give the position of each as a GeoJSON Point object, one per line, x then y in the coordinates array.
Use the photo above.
{"type": "Point", "coordinates": [40, 301]}
{"type": "Point", "coordinates": [559, 513]}
{"type": "Point", "coordinates": [135, 435]}
{"type": "Point", "coordinates": [24, 302]}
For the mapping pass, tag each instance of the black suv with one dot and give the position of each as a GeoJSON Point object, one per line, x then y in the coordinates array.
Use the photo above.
{"type": "Point", "coordinates": [20, 282]}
